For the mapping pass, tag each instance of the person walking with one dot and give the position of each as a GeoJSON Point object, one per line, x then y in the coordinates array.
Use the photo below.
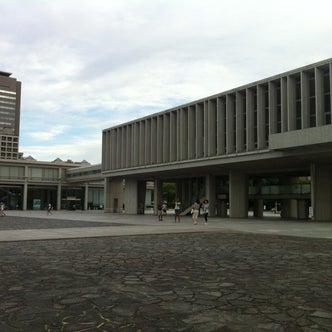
{"type": "Point", "coordinates": [205, 210]}
{"type": "Point", "coordinates": [160, 212]}
{"type": "Point", "coordinates": [177, 210]}
{"type": "Point", "coordinates": [49, 209]}
{"type": "Point", "coordinates": [195, 212]}
{"type": "Point", "coordinates": [2, 209]}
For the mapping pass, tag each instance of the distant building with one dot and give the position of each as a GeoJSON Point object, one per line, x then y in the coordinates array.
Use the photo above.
{"type": "Point", "coordinates": [240, 148]}
{"type": "Point", "coordinates": [28, 184]}
{"type": "Point", "coordinates": [10, 103]}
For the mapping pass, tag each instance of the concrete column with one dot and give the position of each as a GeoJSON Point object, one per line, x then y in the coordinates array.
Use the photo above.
{"type": "Point", "coordinates": [118, 134]}
{"type": "Point", "coordinates": [173, 136]}
{"type": "Point", "coordinates": [221, 126]}
{"type": "Point", "coordinates": [58, 200]}
{"type": "Point", "coordinates": [166, 136]}
{"type": "Point", "coordinates": [305, 100]}
{"type": "Point", "coordinates": [158, 194]}
{"type": "Point", "coordinates": [25, 188]}
{"type": "Point", "coordinates": [147, 140]}
{"type": "Point", "coordinates": [330, 79]}
{"type": "Point", "coordinates": [291, 102]}
{"type": "Point", "coordinates": [239, 122]}
{"type": "Point", "coordinates": [141, 194]}
{"type": "Point", "coordinates": [258, 208]}
{"type": "Point", "coordinates": [260, 117]}
{"type": "Point", "coordinates": [210, 190]}
{"type": "Point", "coordinates": [107, 195]}
{"type": "Point", "coordinates": [321, 192]}
{"type": "Point", "coordinates": [230, 125]}
{"type": "Point", "coordinates": [183, 113]}
{"type": "Point", "coordinates": [238, 194]}
{"type": "Point", "coordinates": [211, 133]}
{"type": "Point", "coordinates": [153, 139]}
{"type": "Point", "coordinates": [272, 108]}
{"type": "Point", "coordinates": [191, 132]}
{"type": "Point", "coordinates": [86, 196]}
{"type": "Point", "coordinates": [289, 209]}
{"type": "Point", "coordinates": [25, 196]}
{"type": "Point", "coordinates": [179, 135]}
{"type": "Point", "coordinates": [199, 130]}
{"type": "Point", "coordinates": [250, 120]}
{"type": "Point", "coordinates": [319, 97]}
{"type": "Point", "coordinates": [123, 147]}
{"type": "Point", "coordinates": [113, 195]}
{"type": "Point", "coordinates": [160, 143]}
{"type": "Point", "coordinates": [284, 105]}
{"type": "Point", "coordinates": [128, 149]}
{"type": "Point", "coordinates": [142, 143]}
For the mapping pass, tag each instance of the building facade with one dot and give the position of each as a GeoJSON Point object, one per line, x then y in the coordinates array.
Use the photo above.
{"type": "Point", "coordinates": [27, 184]}
{"type": "Point", "coordinates": [268, 140]}
{"type": "Point", "coordinates": [10, 102]}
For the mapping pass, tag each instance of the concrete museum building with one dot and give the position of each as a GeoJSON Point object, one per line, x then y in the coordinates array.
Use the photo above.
{"type": "Point", "coordinates": [266, 141]}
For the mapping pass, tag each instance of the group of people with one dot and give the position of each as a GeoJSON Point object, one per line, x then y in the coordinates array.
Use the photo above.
{"type": "Point", "coordinates": [198, 208]}
{"type": "Point", "coordinates": [202, 209]}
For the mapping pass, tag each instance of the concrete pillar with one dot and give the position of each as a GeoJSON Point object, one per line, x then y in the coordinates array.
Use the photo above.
{"type": "Point", "coordinates": [86, 196]}
{"type": "Point", "coordinates": [191, 132]}
{"type": "Point", "coordinates": [173, 136]}
{"type": "Point", "coordinates": [305, 100]}
{"type": "Point", "coordinates": [222, 208]}
{"type": "Point", "coordinates": [113, 193]}
{"type": "Point", "coordinates": [166, 138]}
{"type": "Point", "coordinates": [142, 143]}
{"type": "Point", "coordinates": [284, 104]}
{"type": "Point", "coordinates": [211, 128]}
{"type": "Point", "coordinates": [58, 200]}
{"type": "Point", "coordinates": [158, 194]}
{"type": "Point", "coordinates": [230, 125]}
{"type": "Point", "coordinates": [319, 97]}
{"type": "Point", "coordinates": [160, 143]}
{"type": "Point", "coordinates": [291, 103]}
{"type": "Point", "coordinates": [210, 193]}
{"type": "Point", "coordinates": [238, 194]}
{"type": "Point", "coordinates": [221, 126]}
{"type": "Point", "coordinates": [199, 130]}
{"type": "Point", "coordinates": [147, 140]}
{"type": "Point", "coordinates": [250, 120]}
{"type": "Point", "coordinates": [321, 192]}
{"type": "Point", "coordinates": [258, 208]}
{"type": "Point", "coordinates": [25, 196]}
{"type": "Point", "coordinates": [141, 194]}
{"type": "Point", "coordinates": [128, 149]}
{"type": "Point", "coordinates": [272, 107]}
{"type": "Point", "coordinates": [240, 105]}
{"type": "Point", "coordinates": [260, 117]}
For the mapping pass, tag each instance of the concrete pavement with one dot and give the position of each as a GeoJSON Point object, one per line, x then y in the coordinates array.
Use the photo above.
{"type": "Point", "coordinates": [86, 274]}
{"type": "Point", "coordinates": [148, 224]}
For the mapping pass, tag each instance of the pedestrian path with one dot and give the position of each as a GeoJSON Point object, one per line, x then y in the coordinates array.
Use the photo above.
{"type": "Point", "coordinates": [103, 224]}
{"type": "Point", "coordinates": [86, 274]}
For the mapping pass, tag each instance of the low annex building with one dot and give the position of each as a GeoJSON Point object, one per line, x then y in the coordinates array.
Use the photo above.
{"type": "Point", "coordinates": [239, 149]}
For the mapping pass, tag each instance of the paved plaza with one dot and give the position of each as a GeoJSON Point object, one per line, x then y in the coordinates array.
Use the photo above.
{"type": "Point", "coordinates": [89, 271]}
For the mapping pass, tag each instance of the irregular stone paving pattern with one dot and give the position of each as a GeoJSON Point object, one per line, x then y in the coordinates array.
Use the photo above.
{"type": "Point", "coordinates": [174, 282]}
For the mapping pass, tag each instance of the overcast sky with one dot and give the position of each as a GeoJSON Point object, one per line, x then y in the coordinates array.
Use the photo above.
{"type": "Point", "coordinates": [89, 65]}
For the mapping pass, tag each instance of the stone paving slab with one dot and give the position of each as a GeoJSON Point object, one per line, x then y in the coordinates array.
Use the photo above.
{"type": "Point", "coordinates": [20, 223]}
{"type": "Point", "coordinates": [219, 281]}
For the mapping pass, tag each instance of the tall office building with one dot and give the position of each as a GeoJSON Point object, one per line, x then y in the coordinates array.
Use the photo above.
{"type": "Point", "coordinates": [10, 103]}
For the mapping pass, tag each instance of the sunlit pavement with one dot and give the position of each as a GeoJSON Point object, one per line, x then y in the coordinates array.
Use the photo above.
{"type": "Point", "coordinates": [148, 224]}
{"type": "Point", "coordinates": [90, 271]}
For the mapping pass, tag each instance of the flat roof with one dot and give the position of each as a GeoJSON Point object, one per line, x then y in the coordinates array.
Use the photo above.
{"type": "Point", "coordinates": [4, 73]}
